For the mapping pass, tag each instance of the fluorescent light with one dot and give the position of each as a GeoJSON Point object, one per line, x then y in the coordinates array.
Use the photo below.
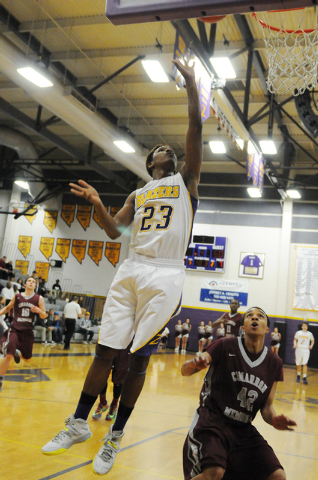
{"type": "Point", "coordinates": [240, 143]}
{"type": "Point", "coordinates": [34, 77]}
{"type": "Point", "coordinates": [268, 147]}
{"type": "Point", "coordinates": [223, 67]}
{"type": "Point", "coordinates": [217, 147]}
{"type": "Point", "coordinates": [124, 146]}
{"type": "Point", "coordinates": [250, 148]}
{"type": "Point", "coordinates": [293, 193]}
{"type": "Point", "coordinates": [254, 192]}
{"type": "Point", "coordinates": [155, 71]}
{"type": "Point", "coordinates": [22, 184]}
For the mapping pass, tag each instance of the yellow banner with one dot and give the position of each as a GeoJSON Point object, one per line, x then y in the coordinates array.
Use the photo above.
{"type": "Point", "coordinates": [114, 210]}
{"type": "Point", "coordinates": [50, 219]}
{"type": "Point", "coordinates": [112, 252]}
{"type": "Point", "coordinates": [24, 245]}
{"type": "Point", "coordinates": [68, 214]}
{"type": "Point", "coordinates": [42, 269]}
{"type": "Point", "coordinates": [95, 251]}
{"type": "Point", "coordinates": [46, 246]}
{"type": "Point", "coordinates": [22, 265]}
{"type": "Point", "coordinates": [32, 210]}
{"type": "Point", "coordinates": [84, 215]}
{"type": "Point", "coordinates": [79, 249]}
{"type": "Point", "coordinates": [95, 217]}
{"type": "Point", "coordinates": [63, 248]}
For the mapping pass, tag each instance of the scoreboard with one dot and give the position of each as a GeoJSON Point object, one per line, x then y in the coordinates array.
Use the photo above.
{"type": "Point", "coordinates": [206, 253]}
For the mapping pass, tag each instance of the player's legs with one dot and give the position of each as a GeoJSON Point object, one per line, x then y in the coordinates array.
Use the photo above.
{"type": "Point", "coordinates": [177, 343]}
{"type": "Point", "coordinates": [184, 342]}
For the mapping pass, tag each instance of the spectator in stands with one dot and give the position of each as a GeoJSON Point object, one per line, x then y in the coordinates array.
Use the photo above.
{"type": "Point", "coordinates": [7, 292]}
{"type": "Point", "coordinates": [81, 301]}
{"type": "Point", "coordinates": [84, 328]}
{"type": "Point", "coordinates": [72, 311]}
{"type": "Point", "coordinates": [42, 290]}
{"type": "Point", "coordinates": [9, 268]}
{"type": "Point", "coordinates": [3, 324]}
{"type": "Point", "coordinates": [164, 338]}
{"type": "Point", "coordinates": [58, 329]}
{"type": "Point", "coordinates": [57, 288]}
{"type": "Point", "coordinates": [3, 268]}
{"type": "Point", "coordinates": [42, 327]}
{"type": "Point", "coordinates": [20, 285]}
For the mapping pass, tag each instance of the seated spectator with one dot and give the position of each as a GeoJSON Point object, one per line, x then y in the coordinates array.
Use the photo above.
{"type": "Point", "coordinates": [42, 290]}
{"type": "Point", "coordinates": [84, 328]}
{"type": "Point", "coordinates": [41, 326]}
{"type": "Point", "coordinates": [3, 324]}
{"type": "Point", "coordinates": [164, 338]}
{"type": "Point", "coordinates": [7, 292]}
{"type": "Point", "coordinates": [3, 268]}
{"type": "Point", "coordinates": [20, 285]}
{"type": "Point", "coordinates": [57, 289]}
{"type": "Point", "coordinates": [9, 268]}
{"type": "Point", "coordinates": [58, 331]}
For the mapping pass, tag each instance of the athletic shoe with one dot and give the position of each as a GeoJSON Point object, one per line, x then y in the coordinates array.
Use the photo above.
{"type": "Point", "coordinates": [105, 458]}
{"type": "Point", "coordinates": [111, 415]}
{"type": "Point", "coordinates": [16, 357]}
{"type": "Point", "coordinates": [305, 381]}
{"type": "Point", "coordinates": [76, 431]}
{"type": "Point", "coordinates": [183, 351]}
{"type": "Point", "coordinates": [45, 344]}
{"type": "Point", "coordinates": [298, 379]}
{"type": "Point", "coordinates": [52, 344]}
{"type": "Point", "coordinates": [85, 343]}
{"type": "Point", "coordinates": [97, 415]}
{"type": "Point", "coordinates": [176, 350]}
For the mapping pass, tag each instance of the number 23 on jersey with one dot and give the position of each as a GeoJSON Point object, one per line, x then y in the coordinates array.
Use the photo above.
{"type": "Point", "coordinates": [148, 221]}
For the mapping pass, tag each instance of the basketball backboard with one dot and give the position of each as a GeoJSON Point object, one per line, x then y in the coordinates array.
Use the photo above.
{"type": "Point", "coordinates": [121, 12]}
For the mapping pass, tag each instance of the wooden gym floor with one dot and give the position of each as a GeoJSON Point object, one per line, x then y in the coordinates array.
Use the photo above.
{"type": "Point", "coordinates": [37, 397]}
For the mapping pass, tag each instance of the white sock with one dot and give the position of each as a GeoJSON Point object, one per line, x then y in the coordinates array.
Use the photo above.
{"type": "Point", "coordinates": [304, 375]}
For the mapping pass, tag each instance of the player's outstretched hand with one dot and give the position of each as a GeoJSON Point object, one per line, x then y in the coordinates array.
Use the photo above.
{"type": "Point", "coordinates": [83, 189]}
{"type": "Point", "coordinates": [200, 362]}
{"type": "Point", "coordinates": [186, 71]}
{"type": "Point", "coordinates": [280, 422]}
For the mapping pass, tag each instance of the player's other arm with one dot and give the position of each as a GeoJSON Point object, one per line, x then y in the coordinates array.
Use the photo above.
{"type": "Point", "coordinates": [114, 227]}
{"type": "Point", "coordinates": [196, 365]}
{"type": "Point", "coordinates": [190, 170]}
{"type": "Point", "coordinates": [7, 309]}
{"type": "Point", "coordinates": [311, 344]}
{"type": "Point", "coordinates": [295, 342]}
{"type": "Point", "coordinates": [219, 321]}
{"type": "Point", "coordinates": [280, 422]}
{"type": "Point", "coordinates": [40, 309]}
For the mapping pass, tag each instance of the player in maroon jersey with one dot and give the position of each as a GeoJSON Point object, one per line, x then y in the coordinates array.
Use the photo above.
{"type": "Point", "coordinates": [232, 321]}
{"type": "Point", "coordinates": [20, 335]}
{"type": "Point", "coordinates": [242, 379]}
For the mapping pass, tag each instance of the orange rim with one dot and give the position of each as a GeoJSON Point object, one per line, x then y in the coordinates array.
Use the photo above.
{"type": "Point", "coordinates": [275, 29]}
{"type": "Point", "coordinates": [213, 19]}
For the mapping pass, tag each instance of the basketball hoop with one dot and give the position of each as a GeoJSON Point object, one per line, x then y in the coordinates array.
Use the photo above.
{"type": "Point", "coordinates": [214, 19]}
{"type": "Point", "coordinates": [292, 49]}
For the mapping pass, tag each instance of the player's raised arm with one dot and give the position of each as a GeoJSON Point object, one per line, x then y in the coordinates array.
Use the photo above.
{"type": "Point", "coordinates": [190, 171]}
{"type": "Point", "coordinates": [114, 227]}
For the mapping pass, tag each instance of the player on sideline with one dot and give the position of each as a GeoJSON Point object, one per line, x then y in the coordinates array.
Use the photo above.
{"type": "Point", "coordinates": [20, 337]}
{"type": "Point", "coordinates": [146, 291]}
{"type": "Point", "coordinates": [232, 321]}
{"type": "Point", "coordinates": [242, 379]}
{"type": "Point", "coordinates": [303, 343]}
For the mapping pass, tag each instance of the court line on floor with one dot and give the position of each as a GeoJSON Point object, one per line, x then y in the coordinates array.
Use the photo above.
{"type": "Point", "coordinates": [76, 467]}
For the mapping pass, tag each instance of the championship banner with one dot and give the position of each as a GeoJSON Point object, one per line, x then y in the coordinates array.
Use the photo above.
{"type": "Point", "coordinates": [50, 220]}
{"type": "Point", "coordinates": [46, 246]}
{"type": "Point", "coordinates": [63, 248]}
{"type": "Point", "coordinates": [24, 245]}
{"type": "Point", "coordinates": [114, 210]}
{"type": "Point", "coordinates": [95, 217]}
{"type": "Point", "coordinates": [79, 249]}
{"type": "Point", "coordinates": [22, 265]}
{"type": "Point", "coordinates": [223, 291]}
{"type": "Point", "coordinates": [84, 215]}
{"type": "Point", "coordinates": [68, 214]}
{"type": "Point", "coordinates": [42, 269]}
{"type": "Point", "coordinates": [112, 252]}
{"type": "Point", "coordinates": [306, 279]}
{"type": "Point", "coordinates": [32, 210]}
{"type": "Point", "coordinates": [95, 251]}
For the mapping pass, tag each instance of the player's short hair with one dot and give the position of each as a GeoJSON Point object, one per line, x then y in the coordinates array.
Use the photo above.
{"type": "Point", "coordinates": [236, 300]}
{"type": "Point", "coordinates": [30, 276]}
{"type": "Point", "coordinates": [150, 156]}
{"type": "Point", "coordinates": [75, 298]}
{"type": "Point", "coordinates": [259, 308]}
{"type": "Point", "coordinates": [304, 323]}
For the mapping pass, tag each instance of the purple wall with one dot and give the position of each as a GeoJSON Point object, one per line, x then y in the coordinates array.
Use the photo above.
{"type": "Point", "coordinates": [198, 315]}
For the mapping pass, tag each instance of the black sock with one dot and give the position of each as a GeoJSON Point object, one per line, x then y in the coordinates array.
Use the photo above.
{"type": "Point", "coordinates": [84, 405]}
{"type": "Point", "coordinates": [122, 417]}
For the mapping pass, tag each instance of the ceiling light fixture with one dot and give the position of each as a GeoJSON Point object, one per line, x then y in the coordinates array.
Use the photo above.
{"type": "Point", "coordinates": [223, 67]}
{"type": "Point", "coordinates": [155, 71]}
{"type": "Point", "coordinates": [124, 146]}
{"type": "Point", "coordinates": [268, 147]}
{"type": "Point", "coordinates": [217, 147]}
{"type": "Point", "coordinates": [35, 77]}
{"type": "Point", "coordinates": [254, 192]}
{"type": "Point", "coordinates": [293, 193]}
{"type": "Point", "coordinates": [22, 184]}
{"type": "Point", "coordinates": [250, 148]}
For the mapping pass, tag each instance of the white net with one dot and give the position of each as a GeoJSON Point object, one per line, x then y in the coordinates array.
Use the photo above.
{"type": "Point", "coordinates": [291, 41]}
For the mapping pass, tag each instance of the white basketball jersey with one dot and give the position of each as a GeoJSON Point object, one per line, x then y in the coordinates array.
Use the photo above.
{"type": "Point", "coordinates": [304, 338]}
{"type": "Point", "coordinates": [164, 212]}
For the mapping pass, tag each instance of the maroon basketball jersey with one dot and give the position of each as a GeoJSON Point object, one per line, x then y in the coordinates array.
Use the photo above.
{"type": "Point", "coordinates": [238, 382]}
{"type": "Point", "coordinates": [232, 325]}
{"type": "Point", "coordinates": [22, 315]}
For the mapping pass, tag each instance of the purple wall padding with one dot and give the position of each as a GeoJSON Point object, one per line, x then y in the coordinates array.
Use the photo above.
{"type": "Point", "coordinates": [197, 315]}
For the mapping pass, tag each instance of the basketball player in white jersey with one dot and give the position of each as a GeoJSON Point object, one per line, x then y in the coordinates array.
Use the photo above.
{"type": "Point", "coordinates": [303, 343]}
{"type": "Point", "coordinates": [146, 291]}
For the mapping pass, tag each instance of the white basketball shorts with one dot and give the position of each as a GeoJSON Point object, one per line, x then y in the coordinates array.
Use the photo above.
{"type": "Point", "coordinates": [140, 302]}
{"type": "Point", "coordinates": [302, 356]}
